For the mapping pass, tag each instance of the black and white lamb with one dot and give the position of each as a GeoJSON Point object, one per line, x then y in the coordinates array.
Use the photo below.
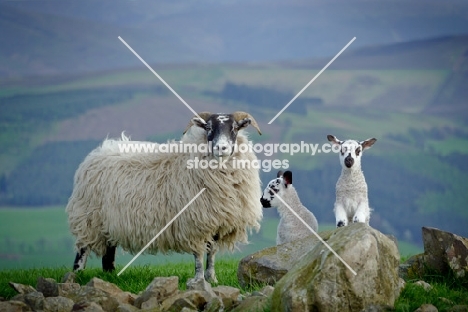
{"type": "Point", "coordinates": [281, 193]}
{"type": "Point", "coordinates": [352, 203]}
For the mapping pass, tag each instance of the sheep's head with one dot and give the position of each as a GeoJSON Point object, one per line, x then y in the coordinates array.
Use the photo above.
{"type": "Point", "coordinates": [221, 130]}
{"type": "Point", "coordinates": [351, 151]}
{"type": "Point", "coordinates": [276, 187]}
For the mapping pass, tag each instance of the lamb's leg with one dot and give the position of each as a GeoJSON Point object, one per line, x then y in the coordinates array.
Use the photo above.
{"type": "Point", "coordinates": [340, 215]}
{"type": "Point", "coordinates": [210, 274]}
{"type": "Point", "coordinates": [362, 213]}
{"type": "Point", "coordinates": [108, 259]}
{"type": "Point", "coordinates": [80, 259]}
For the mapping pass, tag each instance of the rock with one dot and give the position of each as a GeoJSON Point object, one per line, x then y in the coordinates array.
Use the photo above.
{"type": "Point", "coordinates": [201, 285]}
{"type": "Point", "coordinates": [227, 294]}
{"type": "Point", "coordinates": [214, 305]}
{"type": "Point", "coordinates": [47, 286]}
{"type": "Point", "coordinates": [125, 307]}
{"type": "Point", "coordinates": [321, 282]}
{"type": "Point", "coordinates": [188, 310]}
{"type": "Point", "coordinates": [35, 300]}
{"type": "Point", "coordinates": [69, 277]}
{"type": "Point", "coordinates": [87, 307]}
{"type": "Point", "coordinates": [21, 289]}
{"type": "Point", "coordinates": [459, 308]}
{"type": "Point", "coordinates": [88, 295]}
{"type": "Point", "coordinates": [269, 265]}
{"type": "Point", "coordinates": [412, 268]}
{"type": "Point", "coordinates": [192, 299]}
{"type": "Point", "coordinates": [267, 290]}
{"type": "Point", "coordinates": [68, 290]}
{"type": "Point", "coordinates": [423, 284]}
{"type": "Point", "coordinates": [426, 308]}
{"type": "Point", "coordinates": [160, 288]}
{"type": "Point", "coordinates": [58, 304]}
{"type": "Point", "coordinates": [253, 304]}
{"type": "Point", "coordinates": [112, 290]}
{"type": "Point", "coordinates": [378, 308]}
{"type": "Point", "coordinates": [14, 306]}
{"type": "Point", "coordinates": [445, 251]}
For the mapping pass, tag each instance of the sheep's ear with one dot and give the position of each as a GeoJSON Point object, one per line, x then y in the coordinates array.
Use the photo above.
{"type": "Point", "coordinates": [367, 143]}
{"type": "Point", "coordinates": [287, 177]}
{"type": "Point", "coordinates": [200, 122]}
{"type": "Point", "coordinates": [334, 139]}
{"type": "Point", "coordinates": [279, 174]}
{"type": "Point", "coordinates": [244, 119]}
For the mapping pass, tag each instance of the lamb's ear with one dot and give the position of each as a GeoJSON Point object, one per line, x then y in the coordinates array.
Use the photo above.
{"type": "Point", "coordinates": [367, 143]}
{"type": "Point", "coordinates": [279, 174]}
{"type": "Point", "coordinates": [287, 177]}
{"type": "Point", "coordinates": [334, 139]}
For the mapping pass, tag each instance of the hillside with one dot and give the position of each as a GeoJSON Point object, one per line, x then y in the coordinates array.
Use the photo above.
{"type": "Point", "coordinates": [416, 171]}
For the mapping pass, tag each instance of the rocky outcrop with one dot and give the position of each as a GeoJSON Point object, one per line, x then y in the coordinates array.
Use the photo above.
{"type": "Point", "coordinates": [444, 253]}
{"type": "Point", "coordinates": [320, 281]}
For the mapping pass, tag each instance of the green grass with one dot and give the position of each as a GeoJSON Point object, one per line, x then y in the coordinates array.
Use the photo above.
{"type": "Point", "coordinates": [134, 279]}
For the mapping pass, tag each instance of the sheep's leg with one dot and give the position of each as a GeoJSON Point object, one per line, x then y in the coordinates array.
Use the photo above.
{"type": "Point", "coordinates": [210, 274]}
{"type": "Point", "coordinates": [340, 215]}
{"type": "Point", "coordinates": [80, 259]}
{"type": "Point", "coordinates": [198, 267]}
{"type": "Point", "coordinates": [108, 259]}
{"type": "Point", "coordinates": [362, 213]}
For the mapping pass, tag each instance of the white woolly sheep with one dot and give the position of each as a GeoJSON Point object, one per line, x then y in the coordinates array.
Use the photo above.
{"type": "Point", "coordinates": [127, 198]}
{"type": "Point", "coordinates": [352, 203]}
{"type": "Point", "coordinates": [290, 228]}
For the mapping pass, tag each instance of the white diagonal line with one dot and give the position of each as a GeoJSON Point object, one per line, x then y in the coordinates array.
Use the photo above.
{"type": "Point", "coordinates": [328, 246]}
{"type": "Point", "coordinates": [160, 232]}
{"type": "Point", "coordinates": [160, 78]}
{"type": "Point", "coordinates": [313, 79]}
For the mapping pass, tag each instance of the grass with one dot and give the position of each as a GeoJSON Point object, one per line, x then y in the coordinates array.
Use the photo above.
{"type": "Point", "coordinates": [134, 279]}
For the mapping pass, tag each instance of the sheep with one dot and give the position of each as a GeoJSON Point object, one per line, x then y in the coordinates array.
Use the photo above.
{"type": "Point", "coordinates": [290, 228]}
{"type": "Point", "coordinates": [125, 199]}
{"type": "Point", "coordinates": [352, 203]}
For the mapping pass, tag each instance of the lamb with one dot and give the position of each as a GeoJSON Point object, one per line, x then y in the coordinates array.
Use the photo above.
{"type": "Point", "coordinates": [352, 204]}
{"type": "Point", "coordinates": [127, 198]}
{"type": "Point", "coordinates": [290, 228]}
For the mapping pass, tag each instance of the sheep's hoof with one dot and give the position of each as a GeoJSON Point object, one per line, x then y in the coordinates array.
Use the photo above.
{"type": "Point", "coordinates": [340, 224]}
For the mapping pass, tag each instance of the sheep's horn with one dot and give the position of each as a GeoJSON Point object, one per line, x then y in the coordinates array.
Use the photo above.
{"type": "Point", "coordinates": [204, 115]}
{"type": "Point", "coordinates": [241, 115]}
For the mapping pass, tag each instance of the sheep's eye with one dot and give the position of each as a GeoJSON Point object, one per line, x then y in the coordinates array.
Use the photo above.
{"type": "Point", "coordinates": [358, 151]}
{"type": "Point", "coordinates": [343, 150]}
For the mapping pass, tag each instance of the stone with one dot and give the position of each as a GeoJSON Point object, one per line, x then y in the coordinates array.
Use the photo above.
{"type": "Point", "coordinates": [160, 288]}
{"type": "Point", "coordinates": [214, 305]}
{"type": "Point", "coordinates": [47, 286]}
{"type": "Point", "coordinates": [267, 290]}
{"type": "Point", "coordinates": [227, 294]}
{"type": "Point", "coordinates": [35, 300]}
{"type": "Point", "coordinates": [378, 308]}
{"type": "Point", "coordinates": [193, 299]}
{"type": "Point", "coordinates": [68, 289]}
{"type": "Point", "coordinates": [22, 289]}
{"type": "Point", "coordinates": [320, 281]}
{"type": "Point", "coordinates": [200, 285]}
{"type": "Point", "coordinates": [445, 252]}
{"type": "Point", "coordinates": [125, 307]}
{"type": "Point", "coordinates": [84, 306]}
{"type": "Point", "coordinates": [269, 265]}
{"type": "Point", "coordinates": [427, 307]}
{"type": "Point", "coordinates": [58, 304]}
{"type": "Point", "coordinates": [459, 308]}
{"type": "Point", "coordinates": [88, 294]}
{"type": "Point", "coordinates": [423, 284]}
{"type": "Point", "coordinates": [14, 306]}
{"type": "Point", "coordinates": [112, 290]}
{"type": "Point", "coordinates": [69, 277]}
{"type": "Point", "coordinates": [413, 268]}
{"type": "Point", "coordinates": [253, 304]}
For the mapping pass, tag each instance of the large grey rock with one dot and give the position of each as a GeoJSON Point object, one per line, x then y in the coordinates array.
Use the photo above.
{"type": "Point", "coordinates": [47, 286]}
{"type": "Point", "coordinates": [253, 304]}
{"type": "Point", "coordinates": [227, 294]}
{"type": "Point", "coordinates": [444, 251]}
{"type": "Point", "coordinates": [192, 299]}
{"type": "Point", "coordinates": [269, 265]}
{"type": "Point", "coordinates": [58, 304]}
{"type": "Point", "coordinates": [22, 289]}
{"type": "Point", "coordinates": [112, 290]}
{"type": "Point", "coordinates": [320, 281]}
{"type": "Point", "coordinates": [88, 294]}
{"type": "Point", "coordinates": [14, 306]}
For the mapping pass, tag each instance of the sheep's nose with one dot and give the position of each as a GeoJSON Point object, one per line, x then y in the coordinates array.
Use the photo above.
{"type": "Point", "coordinates": [349, 161]}
{"type": "Point", "coordinates": [265, 203]}
{"type": "Point", "coordinates": [223, 149]}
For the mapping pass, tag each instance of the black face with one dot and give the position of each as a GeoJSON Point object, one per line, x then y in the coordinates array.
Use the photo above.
{"type": "Point", "coordinates": [269, 193]}
{"type": "Point", "coordinates": [221, 132]}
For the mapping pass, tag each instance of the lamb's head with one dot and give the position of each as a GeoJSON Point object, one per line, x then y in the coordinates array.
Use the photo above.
{"type": "Point", "coordinates": [221, 130]}
{"type": "Point", "coordinates": [276, 187]}
{"type": "Point", "coordinates": [351, 151]}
